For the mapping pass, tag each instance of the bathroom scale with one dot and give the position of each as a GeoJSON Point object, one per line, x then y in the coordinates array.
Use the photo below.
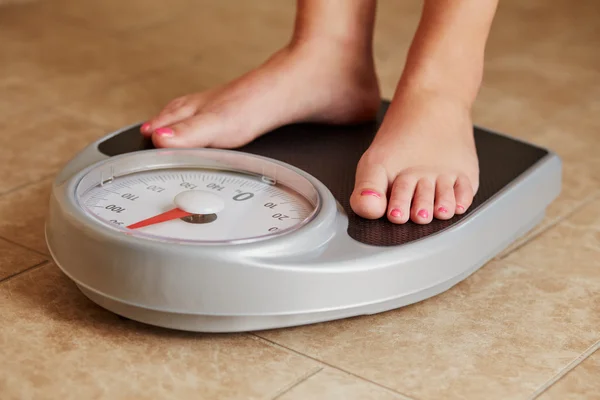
{"type": "Point", "coordinates": [263, 236]}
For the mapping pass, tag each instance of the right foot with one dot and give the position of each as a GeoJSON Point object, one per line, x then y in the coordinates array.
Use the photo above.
{"type": "Point", "coordinates": [297, 84]}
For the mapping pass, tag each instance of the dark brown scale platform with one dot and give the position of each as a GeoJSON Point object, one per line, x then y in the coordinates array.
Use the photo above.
{"type": "Point", "coordinates": [331, 153]}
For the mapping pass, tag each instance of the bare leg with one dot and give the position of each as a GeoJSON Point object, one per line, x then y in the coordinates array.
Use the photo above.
{"type": "Point", "coordinates": [324, 74]}
{"type": "Point", "coordinates": [422, 163]}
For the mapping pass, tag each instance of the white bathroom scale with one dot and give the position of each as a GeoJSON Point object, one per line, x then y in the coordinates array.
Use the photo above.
{"type": "Point", "coordinates": [263, 236]}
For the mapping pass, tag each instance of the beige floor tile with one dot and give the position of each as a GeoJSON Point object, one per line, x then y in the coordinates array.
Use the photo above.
{"type": "Point", "coordinates": [173, 42]}
{"type": "Point", "coordinates": [140, 99]}
{"type": "Point", "coordinates": [396, 23]}
{"type": "Point", "coordinates": [576, 131]}
{"type": "Point", "coordinates": [518, 117]}
{"type": "Point", "coordinates": [531, 70]}
{"type": "Point", "coordinates": [29, 58]}
{"type": "Point", "coordinates": [524, 28]}
{"type": "Point", "coordinates": [58, 61]}
{"type": "Point", "coordinates": [580, 183]}
{"type": "Point", "coordinates": [333, 384]}
{"type": "Point", "coordinates": [41, 48]}
{"type": "Point", "coordinates": [220, 56]}
{"type": "Point", "coordinates": [28, 16]}
{"type": "Point", "coordinates": [528, 98]}
{"type": "Point", "coordinates": [570, 250]}
{"type": "Point", "coordinates": [23, 214]}
{"type": "Point", "coordinates": [578, 150]}
{"type": "Point", "coordinates": [14, 259]}
{"type": "Point", "coordinates": [546, 87]}
{"type": "Point", "coordinates": [568, 202]}
{"type": "Point", "coordinates": [501, 333]}
{"type": "Point", "coordinates": [57, 344]}
{"type": "Point", "coordinates": [205, 30]}
{"type": "Point", "coordinates": [581, 383]}
{"type": "Point", "coordinates": [193, 66]}
{"type": "Point", "coordinates": [18, 96]}
{"type": "Point", "coordinates": [117, 16]}
{"type": "Point", "coordinates": [571, 132]}
{"type": "Point", "coordinates": [42, 143]}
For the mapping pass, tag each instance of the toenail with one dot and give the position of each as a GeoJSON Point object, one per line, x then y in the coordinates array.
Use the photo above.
{"type": "Point", "coordinates": [443, 209]}
{"type": "Point", "coordinates": [460, 208]}
{"type": "Point", "coordinates": [396, 213]}
{"type": "Point", "coordinates": [423, 214]}
{"type": "Point", "coordinates": [370, 193]}
{"type": "Point", "coordinates": [145, 127]}
{"type": "Point", "coordinates": [164, 131]}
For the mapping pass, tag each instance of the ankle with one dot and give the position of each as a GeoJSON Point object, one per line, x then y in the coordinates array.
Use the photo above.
{"type": "Point", "coordinates": [332, 50]}
{"type": "Point", "coordinates": [335, 23]}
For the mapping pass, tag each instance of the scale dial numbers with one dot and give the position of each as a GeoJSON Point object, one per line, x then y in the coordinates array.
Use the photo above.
{"type": "Point", "coordinates": [248, 207]}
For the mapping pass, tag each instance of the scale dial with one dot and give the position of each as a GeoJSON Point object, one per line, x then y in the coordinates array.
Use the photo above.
{"type": "Point", "coordinates": [198, 196]}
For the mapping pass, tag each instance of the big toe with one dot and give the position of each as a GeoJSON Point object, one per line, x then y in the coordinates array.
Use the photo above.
{"type": "Point", "coordinates": [197, 131]}
{"type": "Point", "coordinates": [177, 110]}
{"type": "Point", "coordinates": [368, 199]}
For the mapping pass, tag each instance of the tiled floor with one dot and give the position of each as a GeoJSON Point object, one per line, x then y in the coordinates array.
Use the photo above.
{"type": "Point", "coordinates": [527, 325]}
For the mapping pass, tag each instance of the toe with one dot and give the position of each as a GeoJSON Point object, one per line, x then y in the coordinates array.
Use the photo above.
{"type": "Point", "coordinates": [403, 190]}
{"type": "Point", "coordinates": [197, 131]}
{"type": "Point", "coordinates": [463, 192]}
{"type": "Point", "coordinates": [176, 111]}
{"type": "Point", "coordinates": [445, 203]}
{"type": "Point", "coordinates": [422, 206]}
{"type": "Point", "coordinates": [368, 199]}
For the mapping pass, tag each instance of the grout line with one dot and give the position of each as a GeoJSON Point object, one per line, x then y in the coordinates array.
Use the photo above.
{"type": "Point", "coordinates": [566, 369]}
{"type": "Point", "coordinates": [285, 348]}
{"type": "Point", "coordinates": [302, 379]}
{"type": "Point", "coordinates": [23, 186]}
{"type": "Point", "coordinates": [24, 247]}
{"type": "Point", "coordinates": [16, 274]}
{"type": "Point", "coordinates": [552, 224]}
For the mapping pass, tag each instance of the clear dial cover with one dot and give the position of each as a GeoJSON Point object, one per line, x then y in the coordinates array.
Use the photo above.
{"type": "Point", "coordinates": [201, 195]}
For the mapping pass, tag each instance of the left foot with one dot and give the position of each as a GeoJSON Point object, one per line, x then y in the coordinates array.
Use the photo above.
{"type": "Point", "coordinates": [422, 163]}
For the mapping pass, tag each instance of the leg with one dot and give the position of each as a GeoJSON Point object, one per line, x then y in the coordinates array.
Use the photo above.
{"type": "Point", "coordinates": [423, 158]}
{"type": "Point", "coordinates": [325, 74]}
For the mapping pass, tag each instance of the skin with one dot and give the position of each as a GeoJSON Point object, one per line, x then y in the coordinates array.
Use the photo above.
{"type": "Point", "coordinates": [422, 163]}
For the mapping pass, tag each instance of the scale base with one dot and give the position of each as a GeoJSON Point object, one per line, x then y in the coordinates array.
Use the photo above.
{"type": "Point", "coordinates": [249, 323]}
{"type": "Point", "coordinates": [366, 267]}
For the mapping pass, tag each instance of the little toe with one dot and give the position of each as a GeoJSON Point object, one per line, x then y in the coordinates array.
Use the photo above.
{"type": "Point", "coordinates": [403, 190]}
{"type": "Point", "coordinates": [445, 203]}
{"type": "Point", "coordinates": [368, 199]}
{"type": "Point", "coordinates": [422, 206]}
{"type": "Point", "coordinates": [463, 192]}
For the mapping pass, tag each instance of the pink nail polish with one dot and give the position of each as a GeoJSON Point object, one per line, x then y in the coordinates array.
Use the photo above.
{"type": "Point", "coordinates": [423, 214]}
{"type": "Point", "coordinates": [443, 209]}
{"type": "Point", "coordinates": [145, 127]}
{"type": "Point", "coordinates": [395, 212]}
{"type": "Point", "coordinates": [460, 208]}
{"type": "Point", "coordinates": [165, 131]}
{"type": "Point", "coordinates": [370, 193]}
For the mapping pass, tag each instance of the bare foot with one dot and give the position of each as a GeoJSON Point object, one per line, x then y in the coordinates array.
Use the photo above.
{"type": "Point", "coordinates": [422, 163]}
{"type": "Point", "coordinates": [303, 83]}
{"type": "Point", "coordinates": [423, 158]}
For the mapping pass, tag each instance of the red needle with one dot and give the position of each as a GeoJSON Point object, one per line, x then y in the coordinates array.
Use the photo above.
{"type": "Point", "coordinates": [166, 216]}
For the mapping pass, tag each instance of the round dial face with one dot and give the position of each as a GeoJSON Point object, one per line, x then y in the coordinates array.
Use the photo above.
{"type": "Point", "coordinates": [197, 203]}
